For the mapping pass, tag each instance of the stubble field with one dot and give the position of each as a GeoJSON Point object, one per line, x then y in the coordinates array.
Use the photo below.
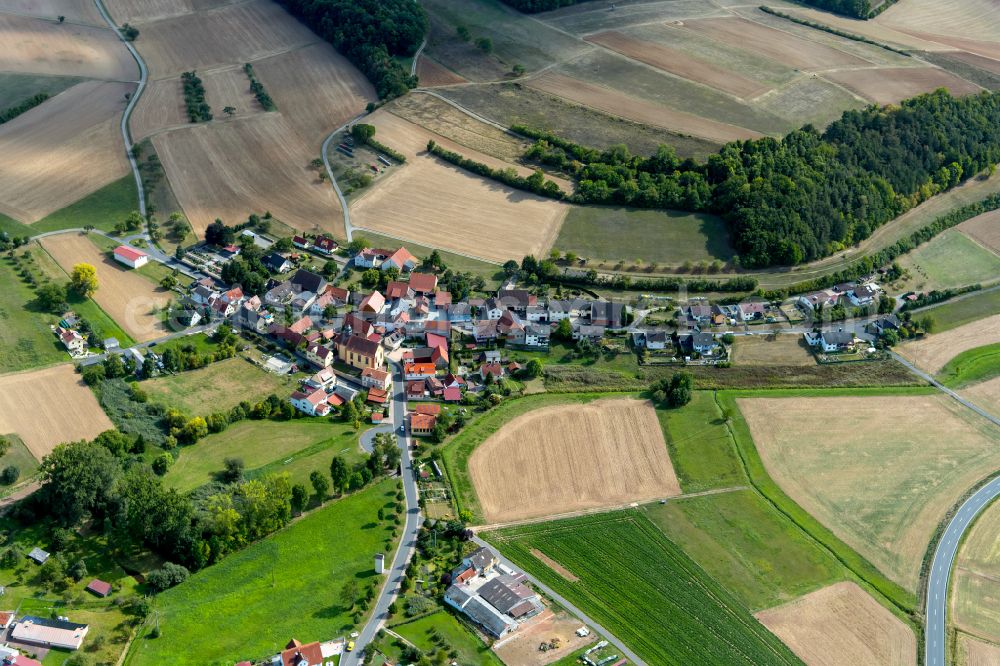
{"type": "Point", "coordinates": [984, 229]}
{"type": "Point", "coordinates": [974, 652]}
{"type": "Point", "coordinates": [879, 471]}
{"type": "Point", "coordinates": [573, 457]}
{"type": "Point", "coordinates": [842, 624]}
{"type": "Point", "coordinates": [48, 407]}
{"type": "Point", "coordinates": [62, 150]}
{"type": "Point", "coordinates": [890, 85]}
{"type": "Point", "coordinates": [932, 352]}
{"type": "Point", "coordinates": [130, 299]}
{"type": "Point", "coordinates": [760, 350]}
{"type": "Point", "coordinates": [64, 49]}
{"type": "Point", "coordinates": [975, 600]}
{"type": "Point", "coordinates": [77, 11]}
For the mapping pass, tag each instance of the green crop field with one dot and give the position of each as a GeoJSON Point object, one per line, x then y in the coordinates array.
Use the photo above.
{"type": "Point", "coordinates": [17, 87]}
{"type": "Point", "coordinates": [103, 209]}
{"type": "Point", "coordinates": [950, 260]}
{"type": "Point", "coordinates": [746, 545]}
{"type": "Point", "coordinates": [470, 649]}
{"type": "Point", "coordinates": [249, 605]}
{"type": "Point", "coordinates": [25, 338]}
{"type": "Point", "coordinates": [664, 237]}
{"type": "Point", "coordinates": [974, 365]}
{"type": "Point", "coordinates": [963, 310]}
{"type": "Point", "coordinates": [217, 387]}
{"type": "Point", "coordinates": [644, 589]}
{"type": "Point", "coordinates": [297, 447]}
{"type": "Point", "coordinates": [12, 227]}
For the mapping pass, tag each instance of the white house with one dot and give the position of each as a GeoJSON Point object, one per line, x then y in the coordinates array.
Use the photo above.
{"type": "Point", "coordinates": [130, 256]}
{"type": "Point", "coordinates": [314, 403]}
{"type": "Point", "coordinates": [863, 295]}
{"type": "Point", "coordinates": [832, 341]}
{"type": "Point", "coordinates": [656, 340]}
{"type": "Point", "coordinates": [73, 341]}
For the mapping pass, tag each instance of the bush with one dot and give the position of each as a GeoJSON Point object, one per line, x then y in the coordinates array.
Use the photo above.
{"type": "Point", "coordinates": [10, 475]}
{"type": "Point", "coordinates": [162, 463]}
{"type": "Point", "coordinates": [167, 576]}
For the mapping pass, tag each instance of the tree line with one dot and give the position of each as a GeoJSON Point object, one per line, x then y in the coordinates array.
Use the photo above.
{"type": "Point", "coordinates": [534, 183]}
{"type": "Point", "coordinates": [194, 98]}
{"type": "Point", "coordinates": [12, 112]}
{"type": "Point", "coordinates": [809, 194]}
{"type": "Point", "coordinates": [861, 9]}
{"type": "Point", "coordinates": [534, 6]}
{"type": "Point", "coordinates": [257, 88]}
{"type": "Point", "coordinates": [369, 33]}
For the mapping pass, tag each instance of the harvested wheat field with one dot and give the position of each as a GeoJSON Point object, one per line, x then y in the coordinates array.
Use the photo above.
{"type": "Point", "coordinates": [161, 106]}
{"type": "Point", "coordinates": [137, 11]}
{"type": "Point", "coordinates": [974, 652]}
{"type": "Point", "coordinates": [932, 352]}
{"type": "Point", "coordinates": [572, 457]}
{"type": "Point", "coordinates": [984, 394]}
{"type": "Point", "coordinates": [842, 624]}
{"type": "Point", "coordinates": [889, 85]}
{"type": "Point", "coordinates": [786, 349]}
{"type": "Point", "coordinates": [975, 598]}
{"type": "Point", "coordinates": [228, 170]}
{"type": "Point", "coordinates": [880, 471]}
{"type": "Point", "coordinates": [75, 11]}
{"type": "Point", "coordinates": [48, 407]}
{"type": "Point", "coordinates": [432, 74]}
{"type": "Point", "coordinates": [776, 44]}
{"type": "Point", "coordinates": [618, 104]}
{"type": "Point", "coordinates": [62, 150]}
{"type": "Point", "coordinates": [39, 46]}
{"type": "Point", "coordinates": [130, 299]}
{"type": "Point", "coordinates": [679, 63]}
{"type": "Point", "coordinates": [521, 647]}
{"type": "Point", "coordinates": [933, 19]}
{"type": "Point", "coordinates": [230, 35]}
{"type": "Point", "coordinates": [315, 88]}
{"type": "Point", "coordinates": [984, 229]}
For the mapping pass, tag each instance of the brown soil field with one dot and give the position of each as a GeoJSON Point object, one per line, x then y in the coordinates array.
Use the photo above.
{"type": "Point", "coordinates": [572, 457]}
{"type": "Point", "coordinates": [555, 566]}
{"type": "Point", "coordinates": [39, 46]}
{"type": "Point", "coordinates": [230, 35]}
{"type": "Point", "coordinates": [316, 89]}
{"type": "Point", "coordinates": [975, 597]}
{"type": "Point", "coordinates": [228, 170]}
{"type": "Point", "coordinates": [128, 298]}
{"type": "Point", "coordinates": [891, 84]}
{"type": "Point", "coordinates": [974, 652]}
{"type": "Point", "coordinates": [62, 150]}
{"type": "Point", "coordinates": [48, 407]}
{"type": "Point", "coordinates": [773, 43]}
{"type": "Point", "coordinates": [971, 19]}
{"type": "Point", "coordinates": [76, 11]}
{"type": "Point", "coordinates": [521, 648]}
{"type": "Point", "coordinates": [772, 350]}
{"type": "Point", "coordinates": [879, 471]}
{"type": "Point", "coordinates": [680, 63]}
{"type": "Point", "coordinates": [932, 352]}
{"type": "Point", "coordinates": [432, 74]}
{"type": "Point", "coordinates": [984, 229]}
{"type": "Point", "coordinates": [618, 104]}
{"type": "Point", "coordinates": [874, 28]}
{"type": "Point", "coordinates": [137, 11]}
{"type": "Point", "coordinates": [447, 122]}
{"type": "Point", "coordinates": [988, 64]}
{"type": "Point", "coordinates": [842, 624]}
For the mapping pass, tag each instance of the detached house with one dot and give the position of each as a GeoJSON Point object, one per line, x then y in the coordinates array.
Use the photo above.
{"type": "Point", "coordinates": [373, 303]}
{"type": "Point", "coordinates": [73, 341]}
{"type": "Point", "coordinates": [325, 245]}
{"type": "Point", "coordinates": [401, 259]}
{"type": "Point", "coordinates": [423, 284]}
{"type": "Point", "coordinates": [863, 295]}
{"type": "Point", "coordinates": [320, 356]}
{"type": "Point", "coordinates": [315, 403]}
{"type": "Point", "coordinates": [276, 263]}
{"type": "Point", "coordinates": [371, 257]}
{"type": "Point", "coordinates": [412, 371]}
{"type": "Point", "coordinates": [374, 378]}
{"type": "Point", "coordinates": [607, 314]}
{"type": "Point", "coordinates": [832, 341]}
{"type": "Point", "coordinates": [422, 424]}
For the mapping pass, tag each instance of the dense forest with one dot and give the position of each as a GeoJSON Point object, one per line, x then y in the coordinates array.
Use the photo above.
{"type": "Point", "coordinates": [532, 6]}
{"type": "Point", "coordinates": [809, 194]}
{"type": "Point", "coordinates": [369, 33]}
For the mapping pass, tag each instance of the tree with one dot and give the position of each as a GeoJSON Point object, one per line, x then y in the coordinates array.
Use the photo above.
{"type": "Point", "coordinates": [51, 297]}
{"type": "Point", "coordinates": [167, 576]}
{"type": "Point", "coordinates": [78, 478]}
{"type": "Point", "coordinates": [339, 473]}
{"type": "Point", "coordinates": [349, 593]}
{"type": "Point", "coordinates": [534, 368]}
{"type": "Point", "coordinates": [162, 463]}
{"type": "Point", "coordinates": [233, 470]}
{"type": "Point", "coordinates": [320, 485]}
{"type": "Point", "coordinates": [83, 279]}
{"type": "Point", "coordinates": [229, 111]}
{"type": "Point", "coordinates": [78, 570]}
{"type": "Point", "coordinates": [300, 497]}
{"type": "Point", "coordinates": [362, 132]}
{"type": "Point", "coordinates": [463, 33]}
{"type": "Point", "coordinates": [510, 268]}
{"type": "Point", "coordinates": [218, 233]}
{"type": "Point", "coordinates": [485, 44]}
{"type": "Point", "coordinates": [564, 331]}
{"type": "Point", "coordinates": [674, 391]}
{"type": "Point", "coordinates": [10, 475]}
{"type": "Point", "coordinates": [169, 282]}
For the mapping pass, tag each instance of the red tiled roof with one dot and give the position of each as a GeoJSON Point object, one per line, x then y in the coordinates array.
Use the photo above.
{"type": "Point", "coordinates": [378, 396]}
{"type": "Point", "coordinates": [297, 655]}
{"type": "Point", "coordinates": [423, 282]}
{"type": "Point", "coordinates": [422, 421]}
{"type": "Point", "coordinates": [301, 326]}
{"type": "Point", "coordinates": [130, 253]}
{"type": "Point", "coordinates": [452, 394]}
{"type": "Point", "coordinates": [419, 369]}
{"type": "Point", "coordinates": [99, 587]}
{"type": "Point", "coordinates": [396, 289]}
{"type": "Point", "coordinates": [442, 298]}
{"type": "Point", "coordinates": [431, 409]}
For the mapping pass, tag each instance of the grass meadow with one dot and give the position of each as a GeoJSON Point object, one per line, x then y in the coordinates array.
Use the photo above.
{"type": "Point", "coordinates": [471, 650]}
{"type": "Point", "coordinates": [950, 260]}
{"type": "Point", "coordinates": [974, 365]}
{"type": "Point", "coordinates": [103, 209]}
{"type": "Point", "coordinates": [249, 605]}
{"type": "Point", "coordinates": [962, 311]}
{"type": "Point", "coordinates": [216, 387]}
{"type": "Point", "coordinates": [25, 338]}
{"type": "Point", "coordinates": [644, 589]}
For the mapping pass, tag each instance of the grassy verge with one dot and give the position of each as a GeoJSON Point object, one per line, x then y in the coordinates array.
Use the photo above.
{"type": "Point", "coordinates": [217, 387]}
{"type": "Point", "coordinates": [102, 209]}
{"type": "Point", "coordinates": [974, 365]}
{"type": "Point", "coordinates": [700, 446]}
{"type": "Point", "coordinates": [249, 605]}
{"type": "Point", "coordinates": [14, 228]}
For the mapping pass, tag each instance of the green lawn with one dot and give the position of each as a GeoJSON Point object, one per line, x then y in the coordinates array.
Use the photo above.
{"type": "Point", "coordinates": [25, 338]}
{"type": "Point", "coordinates": [626, 234]}
{"type": "Point", "coordinates": [950, 260]}
{"type": "Point", "coordinates": [958, 312]}
{"type": "Point", "coordinates": [18, 456]}
{"type": "Point", "coordinates": [701, 448]}
{"type": "Point", "coordinates": [297, 447]}
{"type": "Point", "coordinates": [974, 365]}
{"type": "Point", "coordinates": [216, 387]}
{"type": "Point", "coordinates": [752, 550]}
{"type": "Point", "coordinates": [456, 636]}
{"type": "Point", "coordinates": [253, 602]}
{"type": "Point", "coordinates": [643, 588]}
{"type": "Point", "coordinates": [13, 227]}
{"type": "Point", "coordinates": [103, 209]}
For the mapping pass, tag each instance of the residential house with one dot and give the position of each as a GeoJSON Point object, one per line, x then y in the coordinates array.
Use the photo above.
{"type": "Point", "coordinates": [359, 352]}
{"type": "Point", "coordinates": [302, 325]}
{"type": "Point", "coordinates": [511, 327]}
{"type": "Point", "coordinates": [281, 295]}
{"type": "Point", "coordinates": [297, 654]}
{"type": "Point", "coordinates": [325, 245]}
{"type": "Point", "coordinates": [19, 660]}
{"type": "Point", "coordinates": [699, 314]}
{"type": "Point", "coordinates": [302, 302]}
{"type": "Point", "coordinates": [187, 318]}
{"type": "Point", "coordinates": [718, 316]}
{"type": "Point", "coordinates": [355, 325]}
{"type": "Point", "coordinates": [863, 296]}
{"type": "Point", "coordinates": [887, 323]}
{"type": "Point", "coordinates": [752, 311]}
{"type": "Point", "coordinates": [451, 394]}
{"type": "Point", "coordinates": [401, 259]}
{"type": "Point", "coordinates": [276, 263]}
{"type": "Point", "coordinates": [433, 409]}
{"type": "Point", "coordinates": [203, 294]}
{"type": "Point", "coordinates": [373, 377]}
{"type": "Point", "coordinates": [315, 403]}
{"type": "Point", "coordinates": [559, 310]}
{"type": "Point", "coordinates": [130, 256]}
{"type": "Point", "coordinates": [378, 396]}
{"type": "Point", "coordinates": [486, 330]}
{"type": "Point", "coordinates": [536, 313]}
{"type": "Point", "coordinates": [6, 619]}
{"type": "Point", "coordinates": [657, 340]}
{"type": "Point", "coordinates": [496, 370]}
{"type": "Point", "coordinates": [422, 424]}
{"type": "Point", "coordinates": [308, 281]}
{"type": "Point", "coordinates": [371, 257]}
{"type": "Point", "coordinates": [460, 313]}
{"type": "Point", "coordinates": [301, 242]}
{"type": "Point", "coordinates": [413, 371]}
{"type": "Point", "coordinates": [607, 313]}
{"type": "Point", "coordinates": [491, 309]}
{"type": "Point", "coordinates": [72, 340]}
{"type": "Point", "coordinates": [397, 290]}
{"type": "Point", "coordinates": [438, 344]}
{"type": "Point", "coordinates": [482, 560]}
{"type": "Point", "coordinates": [704, 343]}
{"type": "Point", "coordinates": [818, 299]}
{"type": "Point", "coordinates": [592, 333]}
{"type": "Point", "coordinates": [416, 389]}
{"type": "Point", "coordinates": [49, 633]}
{"type": "Point", "coordinates": [373, 303]}
{"type": "Point", "coordinates": [325, 379]}
{"type": "Point", "coordinates": [423, 284]}
{"type": "Point", "coordinates": [320, 356]}
{"type": "Point", "coordinates": [442, 300]}
{"type": "Point", "coordinates": [832, 341]}
{"type": "Point", "coordinates": [537, 335]}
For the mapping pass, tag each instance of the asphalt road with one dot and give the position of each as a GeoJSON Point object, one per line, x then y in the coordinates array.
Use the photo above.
{"type": "Point", "coordinates": [633, 657]}
{"type": "Point", "coordinates": [408, 541]}
{"type": "Point", "coordinates": [348, 229]}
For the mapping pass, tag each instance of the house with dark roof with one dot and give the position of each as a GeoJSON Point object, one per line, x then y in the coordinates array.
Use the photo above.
{"type": "Point", "coordinates": [276, 263]}
{"type": "Point", "coordinates": [832, 341]}
{"type": "Point", "coordinates": [607, 313]}
{"type": "Point", "coordinates": [359, 352]}
{"type": "Point", "coordinates": [308, 281]}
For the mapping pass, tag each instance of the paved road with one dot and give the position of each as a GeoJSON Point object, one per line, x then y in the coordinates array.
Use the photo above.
{"type": "Point", "coordinates": [408, 541]}
{"type": "Point", "coordinates": [348, 229]}
{"type": "Point", "coordinates": [633, 657]}
{"type": "Point", "coordinates": [940, 575]}
{"type": "Point", "coordinates": [126, 135]}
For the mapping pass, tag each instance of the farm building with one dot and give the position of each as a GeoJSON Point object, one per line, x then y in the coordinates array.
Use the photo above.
{"type": "Point", "coordinates": [99, 587]}
{"type": "Point", "coordinates": [38, 555]}
{"type": "Point", "coordinates": [491, 595]}
{"type": "Point", "coordinates": [46, 632]}
{"type": "Point", "coordinates": [130, 256]}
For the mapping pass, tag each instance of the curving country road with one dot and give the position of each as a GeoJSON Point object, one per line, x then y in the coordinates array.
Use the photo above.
{"type": "Point", "coordinates": [348, 229]}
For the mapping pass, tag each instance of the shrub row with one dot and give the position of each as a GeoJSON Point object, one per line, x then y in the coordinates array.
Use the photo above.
{"type": "Point", "coordinates": [26, 105]}
{"type": "Point", "coordinates": [832, 30]}
{"type": "Point", "coordinates": [535, 183]}
{"type": "Point", "coordinates": [257, 88]}
{"type": "Point", "coordinates": [194, 97]}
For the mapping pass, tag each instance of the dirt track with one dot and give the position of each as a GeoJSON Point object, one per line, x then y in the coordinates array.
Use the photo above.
{"type": "Point", "coordinates": [48, 407]}
{"type": "Point", "coordinates": [570, 457]}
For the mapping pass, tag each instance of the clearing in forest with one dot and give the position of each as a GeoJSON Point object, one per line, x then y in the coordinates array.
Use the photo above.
{"type": "Point", "coordinates": [572, 457]}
